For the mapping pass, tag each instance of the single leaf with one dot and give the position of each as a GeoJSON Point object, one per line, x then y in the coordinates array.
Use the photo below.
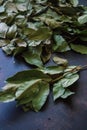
{"type": "Point", "coordinates": [12, 32]}
{"type": "Point", "coordinates": [3, 30]}
{"type": "Point", "coordinates": [82, 19]}
{"type": "Point", "coordinates": [7, 95]}
{"type": "Point", "coordinates": [9, 48]}
{"type": "Point", "coordinates": [42, 33]}
{"type": "Point", "coordinates": [53, 70]}
{"type": "Point", "coordinates": [46, 52]}
{"type": "Point", "coordinates": [60, 44]}
{"type": "Point", "coordinates": [58, 91]}
{"type": "Point", "coordinates": [79, 48]}
{"type": "Point", "coordinates": [41, 97]}
{"type": "Point", "coordinates": [28, 75]}
{"type": "Point", "coordinates": [74, 2]}
{"type": "Point", "coordinates": [32, 57]}
{"type": "Point", "coordinates": [4, 42]}
{"type": "Point", "coordinates": [67, 93]}
{"type": "Point", "coordinates": [23, 88]}
{"type": "Point", "coordinates": [60, 61]}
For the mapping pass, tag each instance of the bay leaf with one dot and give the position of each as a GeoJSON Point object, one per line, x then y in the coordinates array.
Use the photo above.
{"type": "Point", "coordinates": [4, 42]}
{"type": "Point", "coordinates": [32, 57]}
{"type": "Point", "coordinates": [53, 70]}
{"type": "Point", "coordinates": [28, 75]}
{"type": "Point", "coordinates": [42, 33]}
{"type": "Point", "coordinates": [67, 93]}
{"type": "Point", "coordinates": [82, 19]}
{"type": "Point", "coordinates": [60, 44]}
{"type": "Point", "coordinates": [79, 48]}
{"type": "Point", "coordinates": [7, 95]}
{"type": "Point", "coordinates": [74, 2]}
{"type": "Point", "coordinates": [3, 30]}
{"type": "Point", "coordinates": [60, 61]}
{"type": "Point", "coordinates": [58, 91]}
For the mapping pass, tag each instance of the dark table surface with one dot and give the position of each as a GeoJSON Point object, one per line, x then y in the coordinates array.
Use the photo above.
{"type": "Point", "coordinates": [70, 114]}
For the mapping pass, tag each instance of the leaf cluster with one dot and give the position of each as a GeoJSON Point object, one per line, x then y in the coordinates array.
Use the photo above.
{"type": "Point", "coordinates": [35, 29]}
{"type": "Point", "coordinates": [31, 88]}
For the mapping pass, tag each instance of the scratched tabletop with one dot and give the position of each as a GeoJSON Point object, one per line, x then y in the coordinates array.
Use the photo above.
{"type": "Point", "coordinates": [69, 114]}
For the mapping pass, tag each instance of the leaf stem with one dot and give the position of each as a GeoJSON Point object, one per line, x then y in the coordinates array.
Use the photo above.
{"type": "Point", "coordinates": [76, 69]}
{"type": "Point", "coordinates": [83, 67]}
{"type": "Point", "coordinates": [72, 40]}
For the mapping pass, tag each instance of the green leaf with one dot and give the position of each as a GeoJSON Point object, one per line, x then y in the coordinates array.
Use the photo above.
{"type": "Point", "coordinates": [68, 80]}
{"type": "Point", "coordinates": [51, 22]}
{"type": "Point", "coordinates": [12, 32]}
{"type": "Point", "coordinates": [67, 93]}
{"type": "Point", "coordinates": [32, 57]}
{"type": "Point", "coordinates": [74, 2]}
{"type": "Point", "coordinates": [9, 48]}
{"type": "Point", "coordinates": [79, 48]}
{"type": "Point", "coordinates": [60, 61]}
{"type": "Point", "coordinates": [4, 42]}
{"type": "Point", "coordinates": [46, 51]}
{"type": "Point", "coordinates": [24, 87]}
{"type": "Point", "coordinates": [28, 75]}
{"type": "Point", "coordinates": [42, 33]}
{"type": "Point", "coordinates": [34, 29]}
{"type": "Point", "coordinates": [58, 91]}
{"type": "Point", "coordinates": [34, 94]}
{"type": "Point", "coordinates": [53, 70]}
{"type": "Point", "coordinates": [59, 88]}
{"type": "Point", "coordinates": [82, 19]}
{"type": "Point", "coordinates": [21, 7]}
{"type": "Point", "coordinates": [60, 44]}
{"type": "Point", "coordinates": [3, 30]}
{"type": "Point", "coordinates": [41, 97]}
{"type": "Point", "coordinates": [7, 95]}
{"type": "Point", "coordinates": [21, 21]}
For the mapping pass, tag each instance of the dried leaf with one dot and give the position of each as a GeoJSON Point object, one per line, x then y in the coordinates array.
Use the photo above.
{"type": "Point", "coordinates": [79, 48]}
{"type": "Point", "coordinates": [60, 61]}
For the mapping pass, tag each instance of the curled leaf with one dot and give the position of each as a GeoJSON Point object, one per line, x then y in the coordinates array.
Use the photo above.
{"type": "Point", "coordinates": [60, 61]}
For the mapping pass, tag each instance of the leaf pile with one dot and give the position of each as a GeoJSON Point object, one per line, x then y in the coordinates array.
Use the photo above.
{"type": "Point", "coordinates": [34, 30]}
{"type": "Point", "coordinates": [31, 88]}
